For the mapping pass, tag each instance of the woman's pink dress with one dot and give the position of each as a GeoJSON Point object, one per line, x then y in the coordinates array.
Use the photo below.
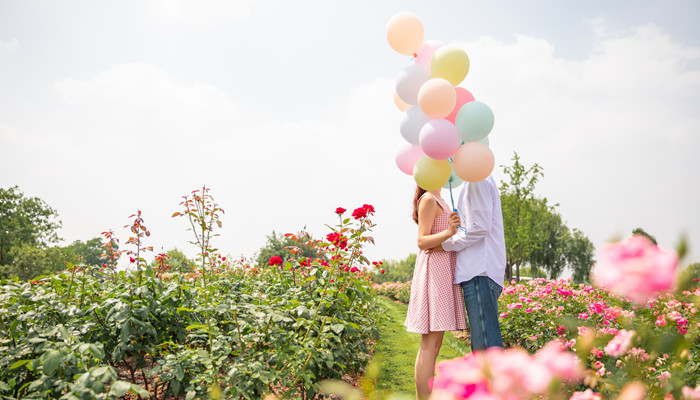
{"type": "Point", "coordinates": [436, 303]}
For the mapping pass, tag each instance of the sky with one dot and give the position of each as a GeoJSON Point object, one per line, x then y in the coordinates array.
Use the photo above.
{"type": "Point", "coordinates": [285, 111]}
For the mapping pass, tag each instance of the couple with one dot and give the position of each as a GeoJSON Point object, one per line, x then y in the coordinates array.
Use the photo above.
{"type": "Point", "coordinates": [461, 263]}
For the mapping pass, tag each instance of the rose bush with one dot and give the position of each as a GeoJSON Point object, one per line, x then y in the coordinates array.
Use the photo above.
{"type": "Point", "coordinates": [229, 329]}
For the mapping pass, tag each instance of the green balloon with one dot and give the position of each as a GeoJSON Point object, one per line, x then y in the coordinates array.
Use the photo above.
{"type": "Point", "coordinates": [474, 121]}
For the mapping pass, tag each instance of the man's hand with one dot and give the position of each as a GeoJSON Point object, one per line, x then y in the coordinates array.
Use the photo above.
{"type": "Point", "coordinates": [434, 249]}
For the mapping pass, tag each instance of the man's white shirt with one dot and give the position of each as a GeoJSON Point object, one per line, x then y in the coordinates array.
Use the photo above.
{"type": "Point", "coordinates": [480, 242]}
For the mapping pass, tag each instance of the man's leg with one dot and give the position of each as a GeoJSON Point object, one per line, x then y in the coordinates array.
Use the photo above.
{"type": "Point", "coordinates": [481, 301]}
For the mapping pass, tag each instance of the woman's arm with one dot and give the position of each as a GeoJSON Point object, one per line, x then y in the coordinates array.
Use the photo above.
{"type": "Point", "coordinates": [428, 209]}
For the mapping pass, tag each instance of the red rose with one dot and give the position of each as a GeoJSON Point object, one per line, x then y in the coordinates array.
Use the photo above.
{"type": "Point", "coordinates": [381, 272]}
{"type": "Point", "coordinates": [338, 240]}
{"type": "Point", "coordinates": [276, 260]}
{"type": "Point", "coordinates": [340, 210]}
{"type": "Point", "coordinates": [369, 208]}
{"type": "Point", "coordinates": [359, 213]}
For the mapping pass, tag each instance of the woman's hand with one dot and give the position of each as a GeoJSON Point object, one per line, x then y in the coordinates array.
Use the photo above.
{"type": "Point", "coordinates": [453, 223]}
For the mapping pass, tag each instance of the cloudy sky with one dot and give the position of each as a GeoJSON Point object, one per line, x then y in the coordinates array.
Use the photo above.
{"type": "Point", "coordinates": [284, 109]}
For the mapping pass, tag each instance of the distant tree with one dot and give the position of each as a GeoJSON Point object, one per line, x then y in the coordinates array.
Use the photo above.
{"type": "Point", "coordinates": [25, 221]}
{"type": "Point", "coordinates": [579, 256]}
{"type": "Point", "coordinates": [89, 251]}
{"type": "Point", "coordinates": [396, 271]}
{"type": "Point", "coordinates": [519, 216]}
{"type": "Point", "coordinates": [30, 262]}
{"type": "Point", "coordinates": [532, 272]}
{"type": "Point", "coordinates": [551, 237]}
{"type": "Point", "coordinates": [640, 231]}
{"type": "Point", "coordinates": [178, 261]}
{"type": "Point", "coordinates": [276, 244]}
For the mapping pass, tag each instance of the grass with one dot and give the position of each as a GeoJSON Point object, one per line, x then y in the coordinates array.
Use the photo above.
{"type": "Point", "coordinates": [395, 352]}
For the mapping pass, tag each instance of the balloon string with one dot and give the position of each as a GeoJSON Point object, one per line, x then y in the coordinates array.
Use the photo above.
{"type": "Point", "coordinates": [452, 198]}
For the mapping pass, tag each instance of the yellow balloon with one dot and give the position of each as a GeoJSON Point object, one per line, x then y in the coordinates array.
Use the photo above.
{"type": "Point", "coordinates": [404, 32]}
{"type": "Point", "coordinates": [450, 63]}
{"type": "Point", "coordinates": [431, 174]}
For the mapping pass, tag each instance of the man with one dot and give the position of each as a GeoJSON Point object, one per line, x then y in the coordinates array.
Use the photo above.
{"type": "Point", "coordinates": [481, 260]}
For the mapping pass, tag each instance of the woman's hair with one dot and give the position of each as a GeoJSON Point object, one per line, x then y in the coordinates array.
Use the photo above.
{"type": "Point", "coordinates": [419, 192]}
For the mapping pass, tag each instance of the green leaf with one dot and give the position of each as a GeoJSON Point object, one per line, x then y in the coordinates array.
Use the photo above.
{"type": "Point", "coordinates": [119, 388]}
{"type": "Point", "coordinates": [338, 328]}
{"type": "Point", "coordinates": [139, 390]}
{"type": "Point", "coordinates": [19, 363]}
{"type": "Point", "coordinates": [190, 395]}
{"type": "Point", "coordinates": [179, 373]}
{"type": "Point", "coordinates": [180, 310]}
{"type": "Point", "coordinates": [50, 361]}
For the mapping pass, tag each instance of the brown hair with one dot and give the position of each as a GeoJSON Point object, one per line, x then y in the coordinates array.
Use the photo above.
{"type": "Point", "coordinates": [419, 192]}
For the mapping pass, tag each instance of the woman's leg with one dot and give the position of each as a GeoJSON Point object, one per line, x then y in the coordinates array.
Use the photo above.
{"type": "Point", "coordinates": [425, 362]}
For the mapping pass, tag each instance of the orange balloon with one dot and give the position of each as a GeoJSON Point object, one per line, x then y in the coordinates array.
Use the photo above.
{"type": "Point", "coordinates": [404, 32]}
{"type": "Point", "coordinates": [437, 98]}
{"type": "Point", "coordinates": [402, 105]}
{"type": "Point", "coordinates": [473, 161]}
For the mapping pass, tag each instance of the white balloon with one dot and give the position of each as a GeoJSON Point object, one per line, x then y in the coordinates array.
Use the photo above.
{"type": "Point", "coordinates": [409, 81]}
{"type": "Point", "coordinates": [412, 121]}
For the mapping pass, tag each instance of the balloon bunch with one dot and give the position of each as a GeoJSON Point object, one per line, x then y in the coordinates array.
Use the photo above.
{"type": "Point", "coordinates": [445, 128]}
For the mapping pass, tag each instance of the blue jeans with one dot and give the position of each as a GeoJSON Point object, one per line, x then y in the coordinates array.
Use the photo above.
{"type": "Point", "coordinates": [481, 301]}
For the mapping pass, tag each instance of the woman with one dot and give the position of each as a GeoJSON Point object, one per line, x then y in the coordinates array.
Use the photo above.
{"type": "Point", "coordinates": [436, 303]}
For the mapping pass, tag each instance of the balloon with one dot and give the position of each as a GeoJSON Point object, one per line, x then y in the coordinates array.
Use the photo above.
{"type": "Point", "coordinates": [402, 105]}
{"type": "Point", "coordinates": [439, 139]}
{"type": "Point", "coordinates": [431, 174]}
{"type": "Point", "coordinates": [404, 32]}
{"type": "Point", "coordinates": [412, 121]}
{"type": "Point", "coordinates": [485, 141]}
{"type": "Point", "coordinates": [425, 54]}
{"type": "Point", "coordinates": [450, 63]}
{"type": "Point", "coordinates": [474, 121]}
{"type": "Point", "coordinates": [473, 161]}
{"type": "Point", "coordinates": [454, 180]}
{"type": "Point", "coordinates": [463, 97]}
{"type": "Point", "coordinates": [409, 82]}
{"type": "Point", "coordinates": [437, 98]}
{"type": "Point", "coordinates": [406, 157]}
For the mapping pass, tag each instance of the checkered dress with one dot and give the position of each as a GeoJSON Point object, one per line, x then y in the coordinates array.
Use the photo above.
{"type": "Point", "coordinates": [436, 303]}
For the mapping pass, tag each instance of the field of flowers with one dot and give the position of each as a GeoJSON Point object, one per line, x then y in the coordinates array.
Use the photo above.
{"type": "Point", "coordinates": [226, 330]}
{"type": "Point", "coordinates": [615, 345]}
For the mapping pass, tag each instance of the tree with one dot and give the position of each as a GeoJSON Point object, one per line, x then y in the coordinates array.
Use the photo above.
{"type": "Point", "coordinates": [640, 231]}
{"type": "Point", "coordinates": [518, 215]}
{"type": "Point", "coordinates": [30, 262]}
{"type": "Point", "coordinates": [579, 256]}
{"type": "Point", "coordinates": [551, 237]}
{"type": "Point", "coordinates": [90, 251]}
{"type": "Point", "coordinates": [397, 271]}
{"type": "Point", "coordinates": [177, 260]}
{"type": "Point", "coordinates": [276, 244]}
{"type": "Point", "coordinates": [25, 221]}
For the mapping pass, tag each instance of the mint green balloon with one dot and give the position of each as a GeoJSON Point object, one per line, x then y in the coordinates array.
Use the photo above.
{"type": "Point", "coordinates": [474, 121]}
{"type": "Point", "coordinates": [454, 180]}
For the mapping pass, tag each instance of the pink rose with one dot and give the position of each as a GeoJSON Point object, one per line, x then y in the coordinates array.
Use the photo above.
{"type": "Point", "coordinates": [618, 346]}
{"type": "Point", "coordinates": [587, 395]}
{"type": "Point", "coordinates": [636, 269]}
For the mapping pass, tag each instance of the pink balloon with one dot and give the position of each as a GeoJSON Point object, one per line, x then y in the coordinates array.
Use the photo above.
{"type": "Point", "coordinates": [473, 161]}
{"type": "Point", "coordinates": [425, 54]}
{"type": "Point", "coordinates": [439, 139]}
{"type": "Point", "coordinates": [463, 97]}
{"type": "Point", "coordinates": [437, 98]}
{"type": "Point", "coordinates": [407, 156]}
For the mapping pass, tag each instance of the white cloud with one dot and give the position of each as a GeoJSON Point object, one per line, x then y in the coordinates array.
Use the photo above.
{"type": "Point", "coordinates": [9, 46]}
{"type": "Point", "coordinates": [614, 131]}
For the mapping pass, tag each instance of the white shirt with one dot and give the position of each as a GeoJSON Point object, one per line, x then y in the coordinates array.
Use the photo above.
{"type": "Point", "coordinates": [480, 243]}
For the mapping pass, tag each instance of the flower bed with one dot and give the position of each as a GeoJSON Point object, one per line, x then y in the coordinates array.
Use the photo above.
{"type": "Point", "coordinates": [227, 330]}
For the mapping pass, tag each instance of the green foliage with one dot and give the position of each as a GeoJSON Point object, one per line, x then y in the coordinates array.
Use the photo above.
{"type": "Point", "coordinates": [178, 261]}
{"type": "Point", "coordinates": [278, 245]}
{"type": "Point", "coordinates": [535, 233]}
{"type": "Point", "coordinates": [90, 251]}
{"type": "Point", "coordinates": [30, 262]}
{"type": "Point", "coordinates": [640, 231]}
{"type": "Point", "coordinates": [242, 332]}
{"type": "Point", "coordinates": [24, 221]}
{"type": "Point", "coordinates": [396, 271]}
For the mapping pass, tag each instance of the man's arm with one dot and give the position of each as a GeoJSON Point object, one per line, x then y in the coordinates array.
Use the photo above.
{"type": "Point", "coordinates": [478, 221]}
